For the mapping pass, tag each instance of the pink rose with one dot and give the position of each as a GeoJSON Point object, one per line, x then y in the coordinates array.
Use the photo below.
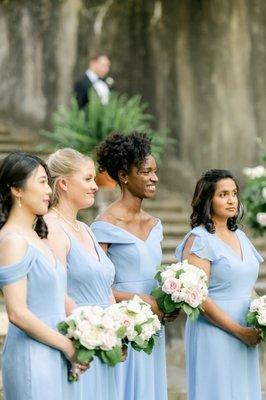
{"type": "Point", "coordinates": [171, 285]}
{"type": "Point", "coordinates": [194, 298]}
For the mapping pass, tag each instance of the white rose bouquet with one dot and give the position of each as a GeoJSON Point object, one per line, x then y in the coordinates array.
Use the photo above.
{"type": "Point", "coordinates": [181, 285]}
{"type": "Point", "coordinates": [257, 315]}
{"type": "Point", "coordinates": [94, 333]}
{"type": "Point", "coordinates": [140, 324]}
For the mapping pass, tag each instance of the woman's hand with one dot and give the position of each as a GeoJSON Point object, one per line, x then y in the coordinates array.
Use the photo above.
{"type": "Point", "coordinates": [250, 336]}
{"type": "Point", "coordinates": [70, 354]}
{"type": "Point", "coordinates": [171, 317]}
{"type": "Point", "coordinates": [124, 352]}
{"type": "Point", "coordinates": [154, 306]}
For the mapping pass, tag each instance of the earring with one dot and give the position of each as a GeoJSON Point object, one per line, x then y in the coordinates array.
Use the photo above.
{"type": "Point", "coordinates": [125, 182]}
{"type": "Point", "coordinates": [19, 202]}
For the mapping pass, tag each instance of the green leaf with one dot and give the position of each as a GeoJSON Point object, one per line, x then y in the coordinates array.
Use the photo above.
{"type": "Point", "coordinates": [150, 346]}
{"type": "Point", "coordinates": [111, 357]}
{"type": "Point", "coordinates": [187, 309]}
{"type": "Point", "coordinates": [138, 328]}
{"type": "Point", "coordinates": [84, 356]}
{"type": "Point", "coordinates": [62, 327]}
{"type": "Point", "coordinates": [121, 332]}
{"type": "Point", "coordinates": [169, 304]}
{"type": "Point", "coordinates": [194, 315]}
{"type": "Point", "coordinates": [251, 319]}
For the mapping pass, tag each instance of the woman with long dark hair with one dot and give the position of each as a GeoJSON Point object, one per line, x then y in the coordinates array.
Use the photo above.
{"type": "Point", "coordinates": [221, 353]}
{"type": "Point", "coordinates": [132, 239]}
{"type": "Point", "coordinates": [35, 354]}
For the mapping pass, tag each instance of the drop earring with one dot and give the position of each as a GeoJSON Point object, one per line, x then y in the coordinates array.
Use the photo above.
{"type": "Point", "coordinates": [19, 202]}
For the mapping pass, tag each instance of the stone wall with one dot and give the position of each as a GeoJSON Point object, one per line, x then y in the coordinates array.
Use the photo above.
{"type": "Point", "coordinates": [199, 63]}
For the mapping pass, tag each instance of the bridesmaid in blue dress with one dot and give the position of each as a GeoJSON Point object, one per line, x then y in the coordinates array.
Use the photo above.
{"type": "Point", "coordinates": [90, 273]}
{"type": "Point", "coordinates": [34, 286]}
{"type": "Point", "coordinates": [132, 239]}
{"type": "Point", "coordinates": [221, 352]}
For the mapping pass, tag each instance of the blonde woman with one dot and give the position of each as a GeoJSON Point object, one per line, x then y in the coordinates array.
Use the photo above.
{"type": "Point", "coordinates": [90, 273]}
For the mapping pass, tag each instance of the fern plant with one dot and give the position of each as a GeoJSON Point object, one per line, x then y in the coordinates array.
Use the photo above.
{"type": "Point", "coordinates": [85, 129]}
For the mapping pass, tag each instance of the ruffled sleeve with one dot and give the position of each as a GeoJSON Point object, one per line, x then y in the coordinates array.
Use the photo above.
{"type": "Point", "coordinates": [200, 247]}
{"type": "Point", "coordinates": [106, 232]}
{"type": "Point", "coordinates": [13, 273]}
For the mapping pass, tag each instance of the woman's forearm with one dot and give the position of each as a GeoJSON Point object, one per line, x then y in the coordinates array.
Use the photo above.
{"type": "Point", "coordinates": [25, 320]}
{"type": "Point", "coordinates": [220, 318]}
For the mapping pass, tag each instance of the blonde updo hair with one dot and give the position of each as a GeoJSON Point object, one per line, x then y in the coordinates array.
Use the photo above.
{"type": "Point", "coordinates": [63, 162]}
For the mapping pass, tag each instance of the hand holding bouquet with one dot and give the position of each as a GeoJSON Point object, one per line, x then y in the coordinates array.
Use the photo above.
{"type": "Point", "coordinates": [94, 333]}
{"type": "Point", "coordinates": [136, 322]}
{"type": "Point", "coordinates": [256, 316]}
{"type": "Point", "coordinates": [181, 285]}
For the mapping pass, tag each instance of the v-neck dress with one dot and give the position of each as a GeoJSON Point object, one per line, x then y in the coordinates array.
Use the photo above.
{"type": "Point", "coordinates": [141, 376]}
{"type": "Point", "coordinates": [220, 366]}
{"type": "Point", "coordinates": [31, 369]}
{"type": "Point", "coordinates": [89, 282]}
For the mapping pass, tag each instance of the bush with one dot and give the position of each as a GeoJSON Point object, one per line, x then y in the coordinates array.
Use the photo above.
{"type": "Point", "coordinates": [85, 129]}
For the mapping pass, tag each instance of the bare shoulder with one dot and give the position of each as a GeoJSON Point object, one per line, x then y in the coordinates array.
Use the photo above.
{"type": "Point", "coordinates": [148, 218]}
{"type": "Point", "coordinates": [55, 230]}
{"type": "Point", "coordinates": [12, 249]}
{"type": "Point", "coordinates": [110, 214]}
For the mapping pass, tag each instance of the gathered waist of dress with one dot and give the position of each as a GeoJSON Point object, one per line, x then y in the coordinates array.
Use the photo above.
{"type": "Point", "coordinates": [85, 304]}
{"type": "Point", "coordinates": [228, 298]}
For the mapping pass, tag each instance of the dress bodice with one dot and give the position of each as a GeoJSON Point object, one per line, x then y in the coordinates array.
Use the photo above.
{"type": "Point", "coordinates": [135, 260]}
{"type": "Point", "coordinates": [89, 280]}
{"type": "Point", "coordinates": [231, 275]}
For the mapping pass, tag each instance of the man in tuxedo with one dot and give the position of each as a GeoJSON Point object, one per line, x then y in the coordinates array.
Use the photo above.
{"type": "Point", "coordinates": [99, 67]}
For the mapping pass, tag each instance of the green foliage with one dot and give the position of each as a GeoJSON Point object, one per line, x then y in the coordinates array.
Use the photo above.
{"type": "Point", "coordinates": [251, 319]}
{"type": "Point", "coordinates": [84, 356]}
{"type": "Point", "coordinates": [111, 357]}
{"type": "Point", "coordinates": [85, 129]}
{"type": "Point", "coordinates": [254, 203]}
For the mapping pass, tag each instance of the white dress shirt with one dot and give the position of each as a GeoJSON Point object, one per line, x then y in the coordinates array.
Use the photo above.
{"type": "Point", "coordinates": [99, 85]}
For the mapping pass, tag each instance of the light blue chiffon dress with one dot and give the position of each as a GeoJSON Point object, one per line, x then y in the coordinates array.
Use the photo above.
{"type": "Point", "coordinates": [141, 376]}
{"type": "Point", "coordinates": [89, 283]}
{"type": "Point", "coordinates": [32, 370]}
{"type": "Point", "coordinates": [220, 366]}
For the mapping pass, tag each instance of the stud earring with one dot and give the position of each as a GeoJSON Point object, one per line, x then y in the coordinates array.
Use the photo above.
{"type": "Point", "coordinates": [125, 182]}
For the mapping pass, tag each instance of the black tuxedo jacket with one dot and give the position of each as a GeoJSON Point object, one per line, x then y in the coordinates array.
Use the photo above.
{"type": "Point", "coordinates": [81, 88]}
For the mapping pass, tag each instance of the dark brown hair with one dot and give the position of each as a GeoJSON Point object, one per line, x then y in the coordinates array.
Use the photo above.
{"type": "Point", "coordinates": [15, 169]}
{"type": "Point", "coordinates": [202, 200]}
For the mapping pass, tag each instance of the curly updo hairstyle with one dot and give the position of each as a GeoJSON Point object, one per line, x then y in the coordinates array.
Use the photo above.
{"type": "Point", "coordinates": [15, 169]}
{"type": "Point", "coordinates": [119, 152]}
{"type": "Point", "coordinates": [202, 200]}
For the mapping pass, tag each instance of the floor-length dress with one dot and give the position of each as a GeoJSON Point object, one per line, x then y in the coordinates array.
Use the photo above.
{"type": "Point", "coordinates": [141, 376]}
{"type": "Point", "coordinates": [89, 282]}
{"type": "Point", "coordinates": [220, 366]}
{"type": "Point", "coordinates": [32, 370]}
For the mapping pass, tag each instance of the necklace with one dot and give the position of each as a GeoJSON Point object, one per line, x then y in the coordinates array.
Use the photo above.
{"type": "Point", "coordinates": [76, 226]}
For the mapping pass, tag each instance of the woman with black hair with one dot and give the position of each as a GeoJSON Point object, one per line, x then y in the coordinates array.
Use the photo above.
{"type": "Point", "coordinates": [132, 239]}
{"type": "Point", "coordinates": [221, 353]}
{"type": "Point", "coordinates": [35, 354]}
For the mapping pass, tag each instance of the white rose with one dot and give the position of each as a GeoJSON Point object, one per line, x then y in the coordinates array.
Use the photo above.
{"type": "Point", "coordinates": [179, 296]}
{"type": "Point", "coordinates": [188, 279]}
{"type": "Point", "coordinates": [261, 218]}
{"type": "Point", "coordinates": [168, 273]}
{"type": "Point", "coordinates": [256, 172]}
{"type": "Point", "coordinates": [91, 339]}
{"type": "Point", "coordinates": [109, 340]}
{"type": "Point", "coordinates": [133, 306]}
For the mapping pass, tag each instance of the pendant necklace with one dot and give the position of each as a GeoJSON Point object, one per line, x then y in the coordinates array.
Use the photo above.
{"type": "Point", "coordinates": [76, 226]}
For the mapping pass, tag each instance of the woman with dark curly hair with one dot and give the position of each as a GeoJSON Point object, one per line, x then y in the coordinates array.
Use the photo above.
{"type": "Point", "coordinates": [132, 239]}
{"type": "Point", "coordinates": [33, 284]}
{"type": "Point", "coordinates": [221, 353]}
